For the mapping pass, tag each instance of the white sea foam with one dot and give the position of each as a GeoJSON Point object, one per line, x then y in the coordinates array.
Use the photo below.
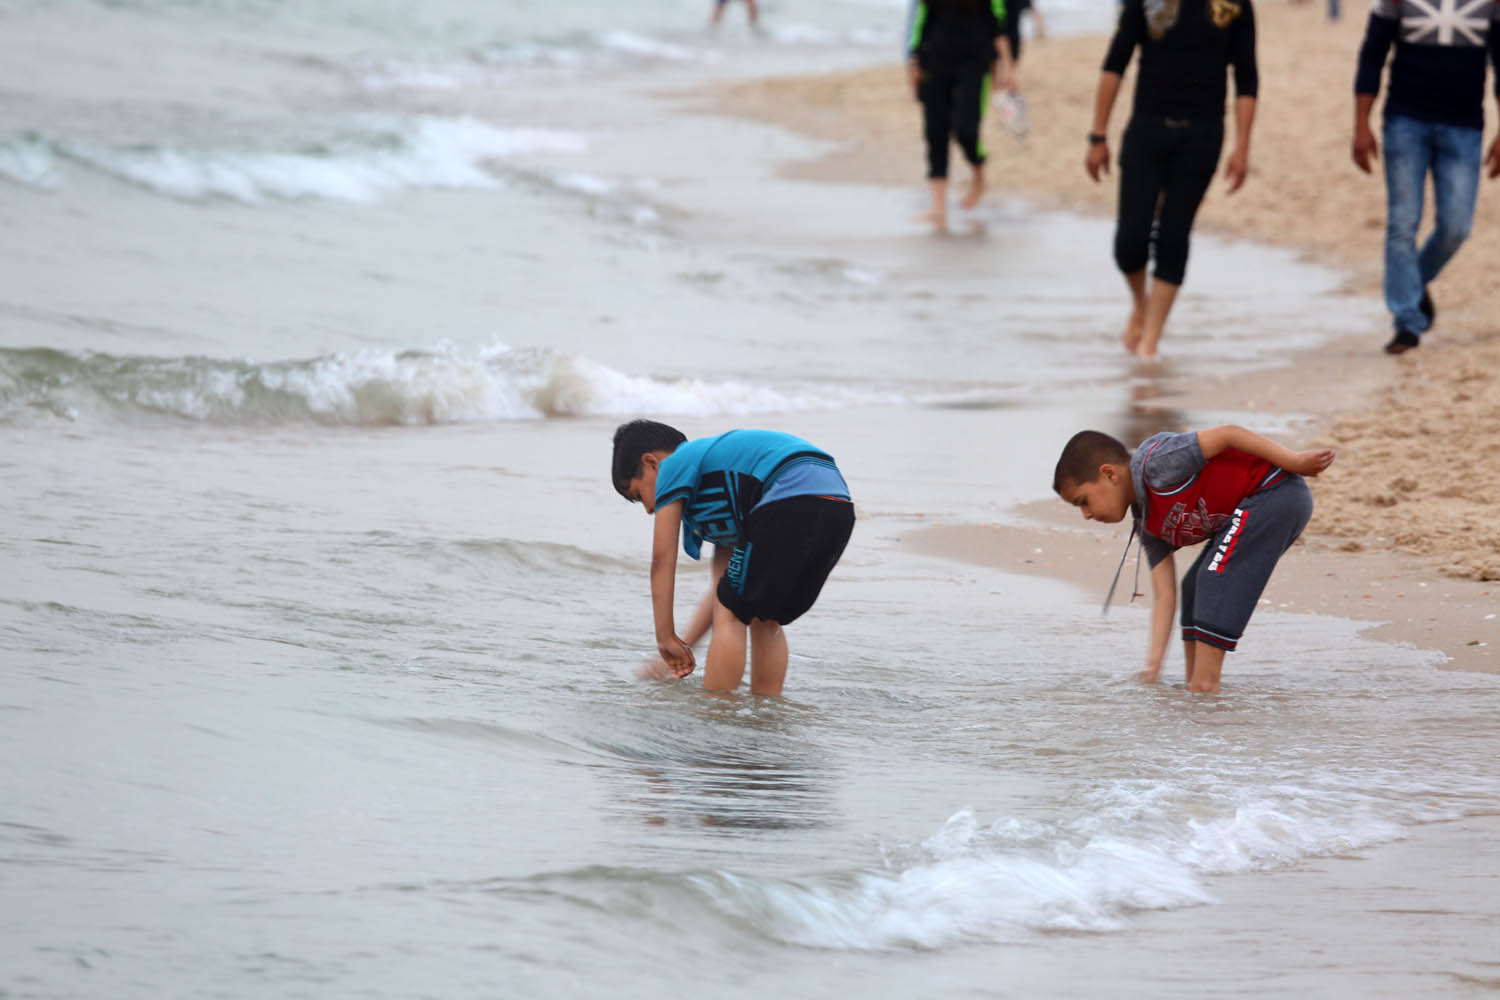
{"type": "Point", "coordinates": [425, 153]}
{"type": "Point", "coordinates": [635, 44]}
{"type": "Point", "coordinates": [439, 386]}
{"type": "Point", "coordinates": [28, 160]}
{"type": "Point", "coordinates": [1139, 846]}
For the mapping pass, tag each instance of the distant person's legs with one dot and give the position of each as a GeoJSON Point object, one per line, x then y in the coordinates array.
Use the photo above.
{"type": "Point", "coordinates": [970, 97]}
{"type": "Point", "coordinates": [937, 125]}
{"type": "Point", "coordinates": [1456, 161]}
{"type": "Point", "coordinates": [750, 8]}
{"type": "Point", "coordinates": [1408, 156]}
{"type": "Point", "coordinates": [1142, 174]}
{"type": "Point", "coordinates": [1189, 171]}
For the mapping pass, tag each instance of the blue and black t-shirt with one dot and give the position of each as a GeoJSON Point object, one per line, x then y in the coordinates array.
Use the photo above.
{"type": "Point", "coordinates": [721, 479]}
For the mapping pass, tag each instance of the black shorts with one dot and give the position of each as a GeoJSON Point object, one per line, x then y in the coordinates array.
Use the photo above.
{"type": "Point", "coordinates": [790, 546]}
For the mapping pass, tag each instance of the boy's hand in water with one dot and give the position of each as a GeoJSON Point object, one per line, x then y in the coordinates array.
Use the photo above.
{"type": "Point", "coordinates": [654, 669]}
{"type": "Point", "coordinates": [1310, 463]}
{"type": "Point", "coordinates": [677, 655]}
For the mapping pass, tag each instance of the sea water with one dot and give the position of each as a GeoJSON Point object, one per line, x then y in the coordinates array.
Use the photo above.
{"type": "Point", "coordinates": [319, 617]}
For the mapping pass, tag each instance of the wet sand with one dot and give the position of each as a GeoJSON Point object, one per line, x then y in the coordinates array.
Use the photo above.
{"type": "Point", "coordinates": [1404, 531]}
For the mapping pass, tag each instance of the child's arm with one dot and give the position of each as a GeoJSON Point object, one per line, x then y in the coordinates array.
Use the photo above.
{"type": "Point", "coordinates": [677, 654]}
{"type": "Point", "coordinates": [703, 616]}
{"type": "Point", "coordinates": [1304, 463]}
{"type": "Point", "coordinates": [656, 668]}
{"type": "Point", "coordinates": [1163, 609]}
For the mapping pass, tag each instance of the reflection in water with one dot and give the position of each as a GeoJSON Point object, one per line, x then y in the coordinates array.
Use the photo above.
{"type": "Point", "coordinates": [723, 769]}
{"type": "Point", "coordinates": [1144, 414]}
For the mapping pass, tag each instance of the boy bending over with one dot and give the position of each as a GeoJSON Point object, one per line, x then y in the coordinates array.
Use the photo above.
{"type": "Point", "coordinates": [1241, 492]}
{"type": "Point", "coordinates": [779, 515]}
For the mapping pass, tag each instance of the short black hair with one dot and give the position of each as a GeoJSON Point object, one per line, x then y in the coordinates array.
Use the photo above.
{"type": "Point", "coordinates": [1082, 456]}
{"type": "Point", "coordinates": [633, 440]}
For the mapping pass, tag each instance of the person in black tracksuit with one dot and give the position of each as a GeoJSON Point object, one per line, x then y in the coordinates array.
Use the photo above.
{"type": "Point", "coordinates": [952, 49]}
{"type": "Point", "coordinates": [1172, 142]}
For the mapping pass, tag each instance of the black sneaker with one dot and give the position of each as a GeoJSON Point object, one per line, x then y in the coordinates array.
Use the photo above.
{"type": "Point", "coordinates": [1403, 341]}
{"type": "Point", "coordinates": [1428, 309]}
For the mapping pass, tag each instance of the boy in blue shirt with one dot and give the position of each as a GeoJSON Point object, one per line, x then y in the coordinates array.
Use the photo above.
{"type": "Point", "coordinates": [779, 515]}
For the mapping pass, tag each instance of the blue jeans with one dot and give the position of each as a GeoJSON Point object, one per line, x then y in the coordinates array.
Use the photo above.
{"type": "Point", "coordinates": [1412, 148]}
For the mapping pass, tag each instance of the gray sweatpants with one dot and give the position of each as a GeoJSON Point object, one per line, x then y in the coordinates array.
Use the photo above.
{"type": "Point", "coordinates": [1221, 589]}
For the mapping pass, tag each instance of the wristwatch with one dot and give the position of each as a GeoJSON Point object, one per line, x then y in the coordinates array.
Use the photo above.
{"type": "Point", "coordinates": [1096, 137]}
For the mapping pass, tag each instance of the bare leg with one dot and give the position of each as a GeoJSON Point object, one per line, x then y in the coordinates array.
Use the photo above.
{"type": "Point", "coordinates": [1188, 646]}
{"type": "Point", "coordinates": [937, 214]}
{"type": "Point", "coordinates": [725, 664]}
{"type": "Point", "coordinates": [1208, 663]}
{"type": "Point", "coordinates": [1158, 307]}
{"type": "Point", "coordinates": [717, 15]}
{"type": "Point", "coordinates": [768, 656]}
{"type": "Point", "coordinates": [976, 187]}
{"type": "Point", "coordinates": [1131, 338]}
{"type": "Point", "coordinates": [754, 12]}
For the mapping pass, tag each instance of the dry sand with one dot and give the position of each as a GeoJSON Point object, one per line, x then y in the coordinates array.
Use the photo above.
{"type": "Point", "coordinates": [1407, 528]}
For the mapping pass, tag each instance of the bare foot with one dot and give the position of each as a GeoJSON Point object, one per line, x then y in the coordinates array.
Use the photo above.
{"type": "Point", "coordinates": [975, 192]}
{"type": "Point", "coordinates": [1146, 348]}
{"type": "Point", "coordinates": [936, 217]}
{"type": "Point", "coordinates": [1134, 327]}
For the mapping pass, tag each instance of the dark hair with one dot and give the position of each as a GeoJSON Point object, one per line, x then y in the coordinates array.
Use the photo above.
{"type": "Point", "coordinates": [1082, 456]}
{"type": "Point", "coordinates": [633, 440]}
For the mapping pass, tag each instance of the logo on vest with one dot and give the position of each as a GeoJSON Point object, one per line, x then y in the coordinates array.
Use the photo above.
{"type": "Point", "coordinates": [1180, 526]}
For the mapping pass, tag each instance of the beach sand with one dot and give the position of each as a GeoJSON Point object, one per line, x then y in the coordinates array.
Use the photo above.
{"type": "Point", "coordinates": [1404, 531]}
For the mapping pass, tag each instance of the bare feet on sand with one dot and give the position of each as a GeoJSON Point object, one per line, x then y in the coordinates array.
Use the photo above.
{"type": "Point", "coordinates": [976, 190]}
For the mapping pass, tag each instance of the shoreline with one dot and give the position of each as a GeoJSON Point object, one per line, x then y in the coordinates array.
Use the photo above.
{"type": "Point", "coordinates": [1403, 536]}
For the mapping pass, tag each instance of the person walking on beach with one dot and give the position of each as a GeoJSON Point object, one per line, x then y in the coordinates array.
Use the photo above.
{"type": "Point", "coordinates": [779, 514]}
{"type": "Point", "coordinates": [952, 55]}
{"type": "Point", "coordinates": [1238, 491]}
{"type": "Point", "coordinates": [1010, 103]}
{"type": "Point", "coordinates": [1434, 123]}
{"type": "Point", "coordinates": [1173, 139]}
{"type": "Point", "coordinates": [717, 17]}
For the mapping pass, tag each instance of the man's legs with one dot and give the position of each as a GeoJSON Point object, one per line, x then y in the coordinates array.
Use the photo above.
{"type": "Point", "coordinates": [1455, 189]}
{"type": "Point", "coordinates": [725, 664]}
{"type": "Point", "coordinates": [1141, 181]}
{"type": "Point", "coordinates": [768, 657]}
{"type": "Point", "coordinates": [1408, 155]}
{"type": "Point", "coordinates": [1189, 171]}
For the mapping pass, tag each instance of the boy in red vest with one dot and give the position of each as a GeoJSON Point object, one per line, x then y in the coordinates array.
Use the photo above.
{"type": "Point", "coordinates": [1233, 488]}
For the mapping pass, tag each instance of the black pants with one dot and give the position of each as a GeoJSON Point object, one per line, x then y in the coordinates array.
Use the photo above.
{"type": "Point", "coordinates": [1166, 165]}
{"type": "Point", "coordinates": [953, 100]}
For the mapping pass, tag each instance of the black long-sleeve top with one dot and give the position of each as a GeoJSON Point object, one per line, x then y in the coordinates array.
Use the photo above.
{"type": "Point", "coordinates": [946, 33]}
{"type": "Point", "coordinates": [1438, 72]}
{"type": "Point", "coordinates": [1182, 74]}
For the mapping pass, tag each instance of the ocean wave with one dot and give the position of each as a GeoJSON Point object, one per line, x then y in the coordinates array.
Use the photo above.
{"type": "Point", "coordinates": [362, 166]}
{"type": "Point", "coordinates": [29, 160]}
{"type": "Point", "coordinates": [501, 61]}
{"type": "Point", "coordinates": [392, 387]}
{"type": "Point", "coordinates": [970, 883]}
